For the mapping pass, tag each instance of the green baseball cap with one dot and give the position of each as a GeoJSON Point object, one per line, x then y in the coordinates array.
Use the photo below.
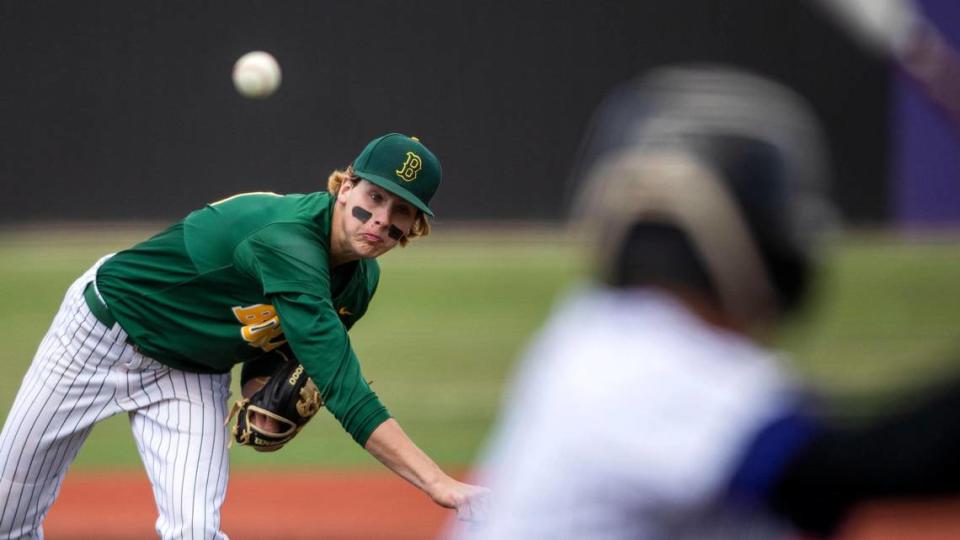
{"type": "Point", "coordinates": [403, 166]}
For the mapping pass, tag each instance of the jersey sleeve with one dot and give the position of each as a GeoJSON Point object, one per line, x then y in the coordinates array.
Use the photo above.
{"type": "Point", "coordinates": [286, 258]}
{"type": "Point", "coordinates": [772, 448]}
{"type": "Point", "coordinates": [363, 295]}
{"type": "Point", "coordinates": [322, 345]}
{"type": "Point", "coordinates": [290, 261]}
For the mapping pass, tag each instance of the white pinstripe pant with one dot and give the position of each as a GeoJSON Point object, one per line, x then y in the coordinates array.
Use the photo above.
{"type": "Point", "coordinates": [84, 372]}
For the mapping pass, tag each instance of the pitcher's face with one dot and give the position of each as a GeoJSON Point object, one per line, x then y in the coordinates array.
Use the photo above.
{"type": "Point", "coordinates": [374, 220]}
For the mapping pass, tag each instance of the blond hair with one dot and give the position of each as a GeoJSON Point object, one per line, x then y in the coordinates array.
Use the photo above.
{"type": "Point", "coordinates": [421, 227]}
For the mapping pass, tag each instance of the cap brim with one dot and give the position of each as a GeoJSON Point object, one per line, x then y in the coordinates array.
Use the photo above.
{"type": "Point", "coordinates": [397, 190]}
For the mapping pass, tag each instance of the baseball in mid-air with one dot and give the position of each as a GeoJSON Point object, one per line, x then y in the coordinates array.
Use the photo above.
{"type": "Point", "coordinates": [256, 74]}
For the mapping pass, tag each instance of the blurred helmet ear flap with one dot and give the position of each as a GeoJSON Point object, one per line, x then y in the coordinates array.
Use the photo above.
{"type": "Point", "coordinates": [660, 254]}
{"type": "Point", "coordinates": [755, 173]}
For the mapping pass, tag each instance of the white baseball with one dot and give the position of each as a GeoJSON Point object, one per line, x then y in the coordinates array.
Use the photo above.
{"type": "Point", "coordinates": [256, 74]}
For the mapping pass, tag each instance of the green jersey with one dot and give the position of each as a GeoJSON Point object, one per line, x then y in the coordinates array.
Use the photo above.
{"type": "Point", "coordinates": [243, 276]}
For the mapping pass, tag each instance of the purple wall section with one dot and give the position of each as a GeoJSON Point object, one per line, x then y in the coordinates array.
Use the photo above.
{"type": "Point", "coordinates": [926, 145]}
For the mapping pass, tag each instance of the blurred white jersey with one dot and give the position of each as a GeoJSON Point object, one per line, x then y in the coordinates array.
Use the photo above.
{"type": "Point", "coordinates": [628, 419]}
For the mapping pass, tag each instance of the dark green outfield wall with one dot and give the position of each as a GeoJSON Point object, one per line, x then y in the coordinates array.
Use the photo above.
{"type": "Point", "coordinates": [125, 109]}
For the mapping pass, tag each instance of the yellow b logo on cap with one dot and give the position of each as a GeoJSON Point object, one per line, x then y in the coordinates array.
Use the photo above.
{"type": "Point", "coordinates": [408, 171]}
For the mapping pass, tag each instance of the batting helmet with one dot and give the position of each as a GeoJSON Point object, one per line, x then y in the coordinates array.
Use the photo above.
{"type": "Point", "coordinates": [710, 177]}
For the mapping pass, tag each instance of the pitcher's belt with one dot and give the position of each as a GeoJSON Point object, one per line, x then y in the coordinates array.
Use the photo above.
{"type": "Point", "coordinates": [97, 307]}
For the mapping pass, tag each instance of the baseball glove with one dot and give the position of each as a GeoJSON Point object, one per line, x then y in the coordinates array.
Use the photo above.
{"type": "Point", "coordinates": [270, 416]}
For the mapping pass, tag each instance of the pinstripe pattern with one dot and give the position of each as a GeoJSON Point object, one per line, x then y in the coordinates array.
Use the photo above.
{"type": "Point", "coordinates": [84, 372]}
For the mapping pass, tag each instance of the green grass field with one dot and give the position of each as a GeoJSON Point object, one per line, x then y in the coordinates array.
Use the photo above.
{"type": "Point", "coordinates": [453, 311]}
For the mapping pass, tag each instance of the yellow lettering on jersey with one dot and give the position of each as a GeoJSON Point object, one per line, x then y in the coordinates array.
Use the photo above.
{"type": "Point", "coordinates": [261, 326]}
{"type": "Point", "coordinates": [232, 197]}
{"type": "Point", "coordinates": [408, 171]}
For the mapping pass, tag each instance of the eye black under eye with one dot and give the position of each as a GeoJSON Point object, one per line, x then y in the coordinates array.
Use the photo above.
{"type": "Point", "coordinates": [395, 232]}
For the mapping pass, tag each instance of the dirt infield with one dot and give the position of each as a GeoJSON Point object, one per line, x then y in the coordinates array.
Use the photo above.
{"type": "Point", "coordinates": [282, 506]}
{"type": "Point", "coordinates": [365, 505]}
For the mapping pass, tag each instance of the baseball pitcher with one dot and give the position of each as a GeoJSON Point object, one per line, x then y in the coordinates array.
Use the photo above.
{"type": "Point", "coordinates": [270, 281]}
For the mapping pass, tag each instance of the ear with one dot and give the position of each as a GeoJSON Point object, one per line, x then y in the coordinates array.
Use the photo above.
{"type": "Point", "coordinates": [345, 188]}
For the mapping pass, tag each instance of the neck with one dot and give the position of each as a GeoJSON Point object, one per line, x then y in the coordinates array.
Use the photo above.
{"type": "Point", "coordinates": [703, 306]}
{"type": "Point", "coordinates": [711, 313]}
